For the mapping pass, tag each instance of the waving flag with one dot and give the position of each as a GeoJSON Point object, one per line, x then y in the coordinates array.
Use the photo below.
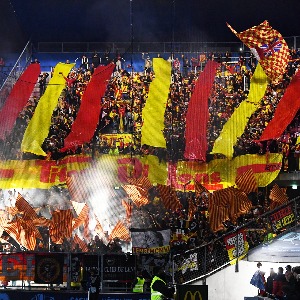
{"type": "Point", "coordinates": [23, 206]}
{"type": "Point", "coordinates": [169, 197]}
{"type": "Point", "coordinates": [277, 196]}
{"type": "Point", "coordinates": [120, 231]}
{"type": "Point", "coordinates": [88, 116]}
{"type": "Point", "coordinates": [197, 114]}
{"type": "Point", "coordinates": [61, 225]}
{"type": "Point", "coordinates": [38, 127]}
{"type": "Point", "coordinates": [81, 243]}
{"type": "Point", "coordinates": [128, 208]}
{"type": "Point", "coordinates": [247, 182]}
{"type": "Point", "coordinates": [137, 194]}
{"type": "Point", "coordinates": [268, 46]}
{"type": "Point", "coordinates": [283, 116]}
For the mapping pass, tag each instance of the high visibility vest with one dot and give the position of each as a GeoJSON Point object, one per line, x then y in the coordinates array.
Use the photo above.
{"type": "Point", "coordinates": [139, 287]}
{"type": "Point", "coordinates": [155, 295]}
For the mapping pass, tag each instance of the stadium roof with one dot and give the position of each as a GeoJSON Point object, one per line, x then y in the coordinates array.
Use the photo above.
{"type": "Point", "coordinates": [152, 20]}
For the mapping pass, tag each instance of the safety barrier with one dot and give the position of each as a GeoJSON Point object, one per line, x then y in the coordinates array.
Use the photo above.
{"type": "Point", "coordinates": [233, 246]}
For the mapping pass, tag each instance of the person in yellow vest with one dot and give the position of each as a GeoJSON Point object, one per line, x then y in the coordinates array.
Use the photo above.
{"type": "Point", "coordinates": [139, 283]}
{"type": "Point", "coordinates": [159, 286]}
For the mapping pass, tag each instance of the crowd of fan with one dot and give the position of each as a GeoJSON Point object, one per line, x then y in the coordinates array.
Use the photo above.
{"type": "Point", "coordinates": [283, 284]}
{"type": "Point", "coordinates": [121, 113]}
{"type": "Point", "coordinates": [124, 100]}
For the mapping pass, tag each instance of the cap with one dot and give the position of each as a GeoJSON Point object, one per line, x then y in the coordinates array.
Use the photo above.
{"type": "Point", "coordinates": [288, 267]}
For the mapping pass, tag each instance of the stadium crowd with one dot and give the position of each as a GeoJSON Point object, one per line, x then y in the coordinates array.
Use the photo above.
{"type": "Point", "coordinates": [121, 113]}
{"type": "Point", "coordinates": [124, 100]}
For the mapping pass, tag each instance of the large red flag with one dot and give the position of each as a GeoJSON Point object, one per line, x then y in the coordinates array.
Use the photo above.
{"type": "Point", "coordinates": [88, 116]}
{"type": "Point", "coordinates": [285, 112]}
{"type": "Point", "coordinates": [17, 98]}
{"type": "Point", "coordinates": [197, 115]}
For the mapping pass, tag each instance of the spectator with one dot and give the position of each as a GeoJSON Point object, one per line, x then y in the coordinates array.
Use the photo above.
{"type": "Point", "coordinates": [93, 285]}
{"type": "Point", "coordinates": [159, 286]}
{"type": "Point", "coordinates": [269, 283]}
{"type": "Point", "coordinates": [43, 83]}
{"type": "Point", "coordinates": [139, 283]}
{"type": "Point", "coordinates": [95, 59]}
{"type": "Point", "coordinates": [2, 64]}
{"type": "Point", "coordinates": [147, 64]}
{"type": "Point", "coordinates": [84, 62]}
{"type": "Point", "coordinates": [278, 282]}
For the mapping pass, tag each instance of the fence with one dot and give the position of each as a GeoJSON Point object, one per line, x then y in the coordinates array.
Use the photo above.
{"type": "Point", "coordinates": [35, 270]}
{"type": "Point", "coordinates": [203, 261]}
{"type": "Point", "coordinates": [149, 47]}
{"type": "Point", "coordinates": [15, 72]}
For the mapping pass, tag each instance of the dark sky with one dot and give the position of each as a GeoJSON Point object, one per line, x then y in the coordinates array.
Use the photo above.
{"type": "Point", "coordinates": [153, 20]}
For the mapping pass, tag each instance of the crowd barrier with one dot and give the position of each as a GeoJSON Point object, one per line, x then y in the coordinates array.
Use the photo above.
{"type": "Point", "coordinates": [117, 271]}
{"type": "Point", "coordinates": [234, 246]}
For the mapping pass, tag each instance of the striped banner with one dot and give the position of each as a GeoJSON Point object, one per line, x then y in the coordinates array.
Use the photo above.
{"type": "Point", "coordinates": [247, 182]}
{"type": "Point", "coordinates": [169, 197]}
{"type": "Point", "coordinates": [38, 127]}
{"type": "Point", "coordinates": [277, 196]}
{"type": "Point", "coordinates": [61, 225]}
{"type": "Point", "coordinates": [23, 206]}
{"type": "Point", "coordinates": [154, 110]}
{"type": "Point", "coordinates": [235, 126]}
{"type": "Point", "coordinates": [137, 194]}
{"type": "Point", "coordinates": [121, 232]}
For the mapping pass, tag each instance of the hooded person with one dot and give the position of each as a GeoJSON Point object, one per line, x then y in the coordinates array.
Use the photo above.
{"type": "Point", "coordinates": [160, 289]}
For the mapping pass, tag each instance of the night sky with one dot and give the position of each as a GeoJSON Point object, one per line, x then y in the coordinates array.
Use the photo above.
{"type": "Point", "coordinates": [153, 20]}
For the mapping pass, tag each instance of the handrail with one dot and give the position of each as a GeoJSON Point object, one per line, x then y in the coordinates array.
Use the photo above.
{"type": "Point", "coordinates": [182, 260]}
{"type": "Point", "coordinates": [13, 72]}
{"type": "Point", "coordinates": [150, 47]}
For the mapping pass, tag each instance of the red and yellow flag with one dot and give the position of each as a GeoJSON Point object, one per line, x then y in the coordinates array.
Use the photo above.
{"type": "Point", "coordinates": [268, 46]}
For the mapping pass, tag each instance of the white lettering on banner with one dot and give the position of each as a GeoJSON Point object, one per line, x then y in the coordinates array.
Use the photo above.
{"type": "Point", "coordinates": [189, 263]}
{"type": "Point", "coordinates": [119, 269]}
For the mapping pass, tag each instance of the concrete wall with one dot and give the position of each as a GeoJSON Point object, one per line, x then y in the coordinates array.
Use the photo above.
{"type": "Point", "coordinates": [230, 285]}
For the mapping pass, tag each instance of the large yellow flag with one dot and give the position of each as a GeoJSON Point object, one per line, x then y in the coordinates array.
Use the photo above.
{"type": "Point", "coordinates": [38, 127]}
{"type": "Point", "coordinates": [154, 110]}
{"type": "Point", "coordinates": [235, 126]}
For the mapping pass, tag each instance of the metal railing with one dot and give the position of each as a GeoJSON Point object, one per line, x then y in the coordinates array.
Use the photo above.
{"type": "Point", "coordinates": [20, 65]}
{"type": "Point", "coordinates": [149, 47]}
{"type": "Point", "coordinates": [201, 262]}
